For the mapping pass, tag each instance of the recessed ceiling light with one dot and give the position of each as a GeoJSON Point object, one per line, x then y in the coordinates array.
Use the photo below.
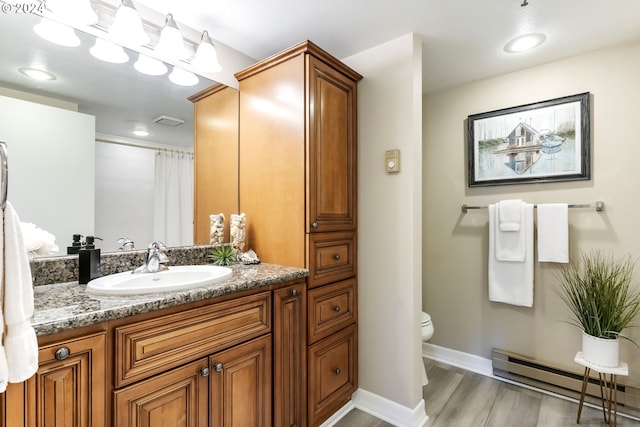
{"type": "Point", "coordinates": [36, 74]}
{"type": "Point", "coordinates": [140, 132]}
{"type": "Point", "coordinates": [525, 42]}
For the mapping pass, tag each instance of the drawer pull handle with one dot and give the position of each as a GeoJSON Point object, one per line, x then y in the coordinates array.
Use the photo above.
{"type": "Point", "coordinates": [294, 292]}
{"type": "Point", "coordinates": [336, 309]}
{"type": "Point", "coordinates": [314, 225]}
{"type": "Point", "coordinates": [62, 353]}
{"type": "Point", "coordinates": [336, 257]}
{"type": "Point", "coordinates": [204, 372]}
{"type": "Point", "coordinates": [337, 371]}
{"type": "Point", "coordinates": [218, 367]}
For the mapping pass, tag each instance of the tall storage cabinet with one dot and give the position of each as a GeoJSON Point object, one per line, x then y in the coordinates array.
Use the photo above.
{"type": "Point", "coordinates": [297, 182]}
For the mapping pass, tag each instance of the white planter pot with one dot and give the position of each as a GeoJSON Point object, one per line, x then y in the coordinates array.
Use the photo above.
{"type": "Point", "coordinates": [600, 351]}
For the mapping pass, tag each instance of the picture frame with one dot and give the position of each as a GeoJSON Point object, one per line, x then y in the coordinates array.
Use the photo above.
{"type": "Point", "coordinates": [546, 141]}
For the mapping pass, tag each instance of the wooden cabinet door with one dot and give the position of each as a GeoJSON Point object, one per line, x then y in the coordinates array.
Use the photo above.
{"type": "Point", "coordinates": [241, 385]}
{"type": "Point", "coordinates": [17, 405]}
{"type": "Point", "coordinates": [331, 193]}
{"type": "Point", "coordinates": [70, 383]}
{"type": "Point", "coordinates": [333, 375]}
{"type": "Point", "coordinates": [289, 354]}
{"type": "Point", "coordinates": [177, 398]}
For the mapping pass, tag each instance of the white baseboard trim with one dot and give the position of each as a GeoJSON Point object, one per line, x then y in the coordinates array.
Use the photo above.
{"type": "Point", "coordinates": [381, 408]}
{"type": "Point", "coordinates": [466, 361]}
{"type": "Point", "coordinates": [390, 411]}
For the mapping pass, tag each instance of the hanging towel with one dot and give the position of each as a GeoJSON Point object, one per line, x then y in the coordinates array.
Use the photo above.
{"type": "Point", "coordinates": [20, 343]}
{"type": "Point", "coordinates": [510, 214]}
{"type": "Point", "coordinates": [553, 233]}
{"type": "Point", "coordinates": [510, 243]}
{"type": "Point", "coordinates": [511, 282]}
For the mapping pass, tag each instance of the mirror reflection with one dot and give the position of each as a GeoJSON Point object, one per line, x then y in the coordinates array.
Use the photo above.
{"type": "Point", "coordinates": [75, 167]}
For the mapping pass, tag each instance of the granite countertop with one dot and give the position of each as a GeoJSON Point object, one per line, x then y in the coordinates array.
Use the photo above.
{"type": "Point", "coordinates": [63, 306]}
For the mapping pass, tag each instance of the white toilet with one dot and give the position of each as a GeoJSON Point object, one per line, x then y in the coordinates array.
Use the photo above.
{"type": "Point", "coordinates": [427, 333]}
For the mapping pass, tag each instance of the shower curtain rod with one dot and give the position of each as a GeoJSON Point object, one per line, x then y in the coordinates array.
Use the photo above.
{"type": "Point", "coordinates": [129, 144]}
{"type": "Point", "coordinates": [599, 206]}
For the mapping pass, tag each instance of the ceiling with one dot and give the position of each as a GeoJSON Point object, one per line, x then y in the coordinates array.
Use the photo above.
{"type": "Point", "coordinates": [462, 41]}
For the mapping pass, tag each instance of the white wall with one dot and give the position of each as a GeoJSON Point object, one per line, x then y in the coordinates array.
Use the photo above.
{"type": "Point", "coordinates": [455, 245]}
{"type": "Point", "coordinates": [51, 167]}
{"type": "Point", "coordinates": [125, 179]}
{"type": "Point", "coordinates": [389, 220]}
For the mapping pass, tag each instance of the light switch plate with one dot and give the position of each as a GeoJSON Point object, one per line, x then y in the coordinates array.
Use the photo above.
{"type": "Point", "coordinates": [392, 161]}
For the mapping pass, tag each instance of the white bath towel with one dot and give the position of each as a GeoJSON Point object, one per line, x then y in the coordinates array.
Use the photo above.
{"type": "Point", "coordinates": [553, 233]}
{"type": "Point", "coordinates": [512, 282]}
{"type": "Point", "coordinates": [510, 214]}
{"type": "Point", "coordinates": [20, 343]}
{"type": "Point", "coordinates": [510, 244]}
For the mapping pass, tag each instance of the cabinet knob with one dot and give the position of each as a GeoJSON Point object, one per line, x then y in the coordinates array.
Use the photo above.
{"type": "Point", "coordinates": [204, 372]}
{"type": "Point", "coordinates": [337, 371]}
{"type": "Point", "coordinates": [62, 353]}
{"type": "Point", "coordinates": [336, 309]}
{"type": "Point", "coordinates": [218, 367]}
{"type": "Point", "coordinates": [294, 292]}
{"type": "Point", "coordinates": [314, 225]}
{"type": "Point", "coordinates": [336, 257]}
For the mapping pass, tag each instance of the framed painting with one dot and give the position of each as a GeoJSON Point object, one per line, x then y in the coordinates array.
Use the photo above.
{"type": "Point", "coordinates": [545, 141]}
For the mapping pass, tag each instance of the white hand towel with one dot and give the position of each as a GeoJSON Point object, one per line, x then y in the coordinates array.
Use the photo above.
{"type": "Point", "coordinates": [20, 343]}
{"type": "Point", "coordinates": [510, 214]}
{"type": "Point", "coordinates": [510, 245]}
{"type": "Point", "coordinates": [553, 233]}
{"type": "Point", "coordinates": [511, 282]}
{"type": "Point", "coordinates": [4, 369]}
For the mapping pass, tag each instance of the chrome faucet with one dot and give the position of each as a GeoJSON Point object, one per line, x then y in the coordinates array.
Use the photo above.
{"type": "Point", "coordinates": [156, 259]}
{"type": "Point", "coordinates": [126, 244]}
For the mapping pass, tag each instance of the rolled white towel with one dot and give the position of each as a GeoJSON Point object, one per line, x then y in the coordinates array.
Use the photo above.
{"type": "Point", "coordinates": [510, 214]}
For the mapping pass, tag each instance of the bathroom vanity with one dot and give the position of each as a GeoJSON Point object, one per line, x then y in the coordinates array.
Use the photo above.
{"type": "Point", "coordinates": [213, 356]}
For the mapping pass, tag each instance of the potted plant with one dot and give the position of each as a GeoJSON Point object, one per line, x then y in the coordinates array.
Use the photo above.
{"type": "Point", "coordinates": [597, 289]}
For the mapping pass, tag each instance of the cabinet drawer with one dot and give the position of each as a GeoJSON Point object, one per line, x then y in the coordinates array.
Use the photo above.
{"type": "Point", "coordinates": [331, 308]}
{"type": "Point", "coordinates": [332, 374]}
{"type": "Point", "coordinates": [332, 257]}
{"type": "Point", "coordinates": [151, 346]}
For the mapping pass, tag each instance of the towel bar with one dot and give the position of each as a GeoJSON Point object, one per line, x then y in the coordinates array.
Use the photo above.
{"type": "Point", "coordinates": [599, 206]}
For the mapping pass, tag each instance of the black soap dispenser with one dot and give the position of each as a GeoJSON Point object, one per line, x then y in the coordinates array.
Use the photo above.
{"type": "Point", "coordinates": [76, 245]}
{"type": "Point", "coordinates": [88, 261]}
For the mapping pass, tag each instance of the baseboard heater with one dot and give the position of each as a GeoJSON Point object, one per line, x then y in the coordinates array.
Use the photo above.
{"type": "Point", "coordinates": [535, 373]}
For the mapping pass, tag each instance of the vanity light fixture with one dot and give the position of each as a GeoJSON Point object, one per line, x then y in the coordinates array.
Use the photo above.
{"type": "Point", "coordinates": [525, 42]}
{"type": "Point", "coordinates": [150, 66]}
{"type": "Point", "coordinates": [57, 33]}
{"type": "Point", "coordinates": [171, 43]}
{"type": "Point", "coordinates": [109, 52]}
{"type": "Point", "coordinates": [127, 25]}
{"type": "Point", "coordinates": [36, 74]}
{"type": "Point", "coordinates": [206, 58]}
{"type": "Point", "coordinates": [182, 77]}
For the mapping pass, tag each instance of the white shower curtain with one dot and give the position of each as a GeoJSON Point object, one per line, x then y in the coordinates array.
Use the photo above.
{"type": "Point", "coordinates": [173, 199]}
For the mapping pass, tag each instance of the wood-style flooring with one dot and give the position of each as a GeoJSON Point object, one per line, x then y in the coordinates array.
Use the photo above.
{"type": "Point", "coordinates": [458, 398]}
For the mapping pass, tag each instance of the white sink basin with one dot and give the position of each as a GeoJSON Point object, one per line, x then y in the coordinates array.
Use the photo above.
{"type": "Point", "coordinates": [173, 279]}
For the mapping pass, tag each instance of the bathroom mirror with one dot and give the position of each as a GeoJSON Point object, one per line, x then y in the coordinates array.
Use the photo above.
{"type": "Point", "coordinates": [119, 97]}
